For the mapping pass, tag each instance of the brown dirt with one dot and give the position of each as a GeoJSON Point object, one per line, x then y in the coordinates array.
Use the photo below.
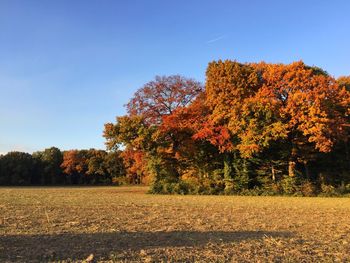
{"type": "Point", "coordinates": [123, 224]}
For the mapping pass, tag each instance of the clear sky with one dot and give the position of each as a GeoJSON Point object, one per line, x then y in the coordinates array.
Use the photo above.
{"type": "Point", "coordinates": [68, 66]}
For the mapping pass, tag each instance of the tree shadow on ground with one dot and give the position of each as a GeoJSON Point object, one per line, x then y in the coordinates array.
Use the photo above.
{"type": "Point", "coordinates": [78, 246]}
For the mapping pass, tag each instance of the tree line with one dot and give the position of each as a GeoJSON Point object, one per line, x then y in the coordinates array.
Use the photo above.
{"type": "Point", "coordinates": [253, 128]}
{"type": "Point", "coordinates": [55, 167]}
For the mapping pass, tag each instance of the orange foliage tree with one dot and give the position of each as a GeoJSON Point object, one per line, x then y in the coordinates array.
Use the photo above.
{"type": "Point", "coordinates": [251, 120]}
{"type": "Point", "coordinates": [262, 103]}
{"type": "Point", "coordinates": [74, 165]}
{"type": "Point", "coordinates": [149, 147]}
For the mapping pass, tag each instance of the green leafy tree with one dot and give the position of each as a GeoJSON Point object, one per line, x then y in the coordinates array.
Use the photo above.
{"type": "Point", "coordinates": [17, 168]}
{"type": "Point", "coordinates": [49, 162]}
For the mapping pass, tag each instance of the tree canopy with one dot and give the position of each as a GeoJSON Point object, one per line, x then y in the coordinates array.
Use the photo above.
{"type": "Point", "coordinates": [252, 128]}
{"type": "Point", "coordinates": [253, 124]}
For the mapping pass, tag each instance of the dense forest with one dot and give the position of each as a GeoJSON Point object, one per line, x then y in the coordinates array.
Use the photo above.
{"type": "Point", "coordinates": [253, 128]}
{"type": "Point", "coordinates": [54, 167]}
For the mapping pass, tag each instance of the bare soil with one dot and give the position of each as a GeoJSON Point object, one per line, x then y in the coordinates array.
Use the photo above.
{"type": "Point", "coordinates": [124, 224]}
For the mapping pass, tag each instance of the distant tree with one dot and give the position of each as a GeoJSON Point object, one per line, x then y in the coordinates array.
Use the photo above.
{"type": "Point", "coordinates": [17, 168]}
{"type": "Point", "coordinates": [75, 166]}
{"type": "Point", "coordinates": [92, 166]}
{"type": "Point", "coordinates": [51, 166]}
{"type": "Point", "coordinates": [114, 165]}
{"type": "Point", "coordinates": [96, 167]}
{"type": "Point", "coordinates": [50, 161]}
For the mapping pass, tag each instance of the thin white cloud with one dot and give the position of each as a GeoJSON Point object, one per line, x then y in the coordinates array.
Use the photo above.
{"type": "Point", "coordinates": [216, 39]}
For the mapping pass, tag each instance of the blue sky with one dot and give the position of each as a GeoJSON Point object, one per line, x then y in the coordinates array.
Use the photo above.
{"type": "Point", "coordinates": [67, 67]}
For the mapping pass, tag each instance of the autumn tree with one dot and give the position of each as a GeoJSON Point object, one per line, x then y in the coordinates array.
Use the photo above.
{"type": "Point", "coordinates": [162, 96]}
{"type": "Point", "coordinates": [344, 81]}
{"type": "Point", "coordinates": [251, 125]}
{"type": "Point", "coordinates": [75, 166]}
{"type": "Point", "coordinates": [262, 103]}
{"type": "Point", "coordinates": [140, 131]}
{"type": "Point", "coordinates": [135, 136]}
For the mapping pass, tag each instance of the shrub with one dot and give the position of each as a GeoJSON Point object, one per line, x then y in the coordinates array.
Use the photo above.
{"type": "Point", "coordinates": [328, 190]}
{"type": "Point", "coordinates": [289, 185]}
{"type": "Point", "coordinates": [122, 180]}
{"type": "Point", "coordinates": [181, 188]}
{"type": "Point", "coordinates": [308, 189]}
{"type": "Point", "coordinates": [156, 188]}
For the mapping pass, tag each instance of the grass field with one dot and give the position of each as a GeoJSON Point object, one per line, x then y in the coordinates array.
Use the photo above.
{"type": "Point", "coordinates": [125, 224]}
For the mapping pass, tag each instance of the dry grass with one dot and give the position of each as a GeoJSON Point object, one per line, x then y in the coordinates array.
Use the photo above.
{"type": "Point", "coordinates": [125, 224]}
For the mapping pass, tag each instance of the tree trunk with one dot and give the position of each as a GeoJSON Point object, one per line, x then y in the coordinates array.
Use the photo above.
{"type": "Point", "coordinates": [292, 163]}
{"type": "Point", "coordinates": [291, 168]}
{"type": "Point", "coordinates": [273, 173]}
